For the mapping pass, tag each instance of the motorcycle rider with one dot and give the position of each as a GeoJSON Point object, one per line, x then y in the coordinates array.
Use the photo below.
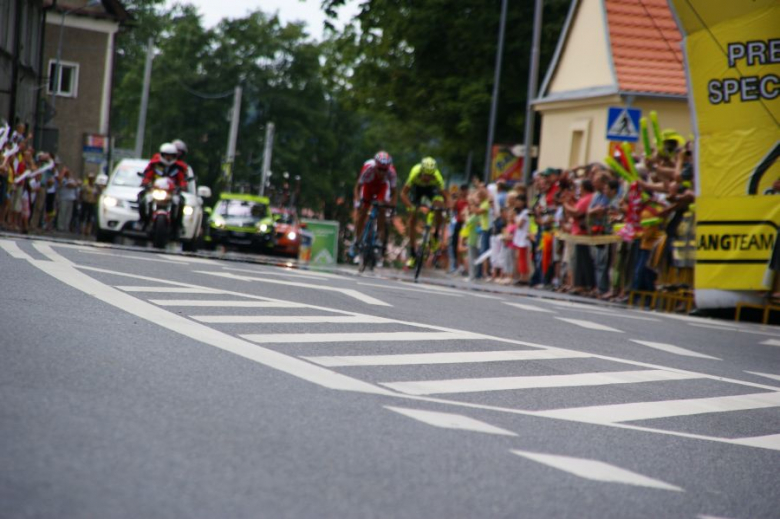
{"type": "Point", "coordinates": [164, 164]}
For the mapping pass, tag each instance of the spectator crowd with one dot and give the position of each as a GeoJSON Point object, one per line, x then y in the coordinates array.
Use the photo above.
{"type": "Point", "coordinates": [595, 230]}
{"type": "Point", "coordinates": [38, 193]}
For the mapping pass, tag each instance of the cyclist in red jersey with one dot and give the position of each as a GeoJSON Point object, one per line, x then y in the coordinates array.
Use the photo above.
{"type": "Point", "coordinates": [377, 181]}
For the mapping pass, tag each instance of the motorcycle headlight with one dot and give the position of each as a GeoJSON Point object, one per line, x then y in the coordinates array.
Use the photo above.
{"type": "Point", "coordinates": [110, 201]}
{"type": "Point", "coordinates": [291, 235]}
{"type": "Point", "coordinates": [160, 194]}
{"type": "Point", "coordinates": [263, 227]}
{"type": "Point", "coordinates": [188, 210]}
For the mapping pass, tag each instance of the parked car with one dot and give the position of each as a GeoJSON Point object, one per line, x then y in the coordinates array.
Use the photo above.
{"type": "Point", "coordinates": [118, 206]}
{"type": "Point", "coordinates": [241, 220]}
{"type": "Point", "coordinates": [288, 232]}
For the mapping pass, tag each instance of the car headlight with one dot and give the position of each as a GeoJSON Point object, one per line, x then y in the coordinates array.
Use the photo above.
{"type": "Point", "coordinates": [110, 201]}
{"type": "Point", "coordinates": [291, 235]}
{"type": "Point", "coordinates": [263, 227]}
{"type": "Point", "coordinates": [218, 222]}
{"type": "Point", "coordinates": [159, 194]}
{"type": "Point", "coordinates": [188, 210]}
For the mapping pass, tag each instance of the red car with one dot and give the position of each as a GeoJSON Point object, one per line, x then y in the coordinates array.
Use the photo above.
{"type": "Point", "coordinates": [287, 228]}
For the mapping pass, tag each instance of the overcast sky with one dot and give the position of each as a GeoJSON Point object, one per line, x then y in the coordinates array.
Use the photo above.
{"type": "Point", "coordinates": [308, 11]}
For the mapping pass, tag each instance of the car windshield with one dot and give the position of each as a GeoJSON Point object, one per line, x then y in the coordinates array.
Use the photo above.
{"type": "Point", "coordinates": [241, 209]}
{"type": "Point", "coordinates": [284, 218]}
{"type": "Point", "coordinates": [127, 175]}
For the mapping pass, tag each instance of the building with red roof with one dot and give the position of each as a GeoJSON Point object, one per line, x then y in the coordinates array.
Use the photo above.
{"type": "Point", "coordinates": [610, 53]}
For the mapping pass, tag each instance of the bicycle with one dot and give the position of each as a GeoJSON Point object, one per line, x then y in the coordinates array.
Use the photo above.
{"type": "Point", "coordinates": [370, 248]}
{"type": "Point", "coordinates": [425, 245]}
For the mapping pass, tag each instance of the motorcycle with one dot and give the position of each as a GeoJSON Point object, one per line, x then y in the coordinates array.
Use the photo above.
{"type": "Point", "coordinates": [162, 201]}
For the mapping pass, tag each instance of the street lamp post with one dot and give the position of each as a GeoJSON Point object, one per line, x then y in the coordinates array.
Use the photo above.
{"type": "Point", "coordinates": [57, 71]}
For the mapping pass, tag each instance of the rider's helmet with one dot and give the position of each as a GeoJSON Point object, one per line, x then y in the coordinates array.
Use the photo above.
{"type": "Point", "coordinates": [180, 146]}
{"type": "Point", "coordinates": [168, 153]}
{"type": "Point", "coordinates": [428, 166]}
{"type": "Point", "coordinates": [383, 160]}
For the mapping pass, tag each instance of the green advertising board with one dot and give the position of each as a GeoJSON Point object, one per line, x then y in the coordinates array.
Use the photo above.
{"type": "Point", "coordinates": [324, 247]}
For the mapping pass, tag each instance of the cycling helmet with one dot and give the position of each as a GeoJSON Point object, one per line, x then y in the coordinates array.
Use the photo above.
{"type": "Point", "coordinates": [168, 153]}
{"type": "Point", "coordinates": [383, 160]}
{"type": "Point", "coordinates": [428, 165]}
{"type": "Point", "coordinates": [180, 146]}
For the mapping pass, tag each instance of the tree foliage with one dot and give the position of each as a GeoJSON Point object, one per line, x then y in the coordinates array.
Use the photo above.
{"type": "Point", "coordinates": [410, 76]}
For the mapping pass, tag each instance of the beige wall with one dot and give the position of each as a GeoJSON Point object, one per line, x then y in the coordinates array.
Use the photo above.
{"type": "Point", "coordinates": [80, 115]}
{"type": "Point", "coordinates": [574, 133]}
{"type": "Point", "coordinates": [584, 61]}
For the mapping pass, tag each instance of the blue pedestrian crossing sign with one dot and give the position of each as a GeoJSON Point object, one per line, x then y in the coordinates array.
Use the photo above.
{"type": "Point", "coordinates": [623, 123]}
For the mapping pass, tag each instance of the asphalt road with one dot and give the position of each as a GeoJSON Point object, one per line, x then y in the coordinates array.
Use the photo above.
{"type": "Point", "coordinates": [156, 385]}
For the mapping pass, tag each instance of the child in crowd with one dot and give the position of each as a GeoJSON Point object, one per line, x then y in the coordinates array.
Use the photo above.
{"type": "Point", "coordinates": [520, 240]}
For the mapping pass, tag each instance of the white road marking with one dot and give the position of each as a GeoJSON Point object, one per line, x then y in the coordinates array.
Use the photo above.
{"type": "Point", "coordinates": [435, 292]}
{"type": "Point", "coordinates": [589, 325]}
{"type": "Point", "coordinates": [771, 441]}
{"type": "Point", "coordinates": [767, 375]}
{"type": "Point", "coordinates": [269, 338]}
{"type": "Point", "coordinates": [225, 303]}
{"type": "Point", "coordinates": [13, 249]}
{"type": "Point", "coordinates": [596, 470]}
{"type": "Point", "coordinates": [135, 258]}
{"type": "Point", "coordinates": [670, 348]}
{"type": "Point", "coordinates": [771, 342]}
{"type": "Point", "coordinates": [277, 360]}
{"type": "Point", "coordinates": [288, 319]}
{"type": "Point", "coordinates": [450, 421]}
{"type": "Point", "coordinates": [605, 414]}
{"type": "Point", "coordinates": [740, 330]}
{"type": "Point", "coordinates": [289, 272]}
{"type": "Point", "coordinates": [346, 291]}
{"type": "Point", "coordinates": [570, 304]}
{"type": "Point", "coordinates": [66, 273]}
{"type": "Point", "coordinates": [189, 259]}
{"type": "Point", "coordinates": [169, 290]}
{"type": "Point", "coordinates": [415, 359]}
{"type": "Point", "coordinates": [285, 273]}
{"type": "Point", "coordinates": [624, 315]}
{"type": "Point", "coordinates": [471, 385]}
{"type": "Point", "coordinates": [531, 308]}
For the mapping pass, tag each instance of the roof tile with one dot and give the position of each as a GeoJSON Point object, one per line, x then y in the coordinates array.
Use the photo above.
{"type": "Point", "coordinates": [646, 46]}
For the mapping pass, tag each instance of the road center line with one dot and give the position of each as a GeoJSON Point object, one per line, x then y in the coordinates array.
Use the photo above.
{"type": "Point", "coordinates": [229, 303]}
{"type": "Point", "coordinates": [288, 319]}
{"type": "Point", "coordinates": [169, 290]}
{"type": "Point", "coordinates": [271, 338]}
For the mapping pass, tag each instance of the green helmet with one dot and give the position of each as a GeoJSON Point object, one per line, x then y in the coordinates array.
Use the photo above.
{"type": "Point", "coordinates": [428, 165]}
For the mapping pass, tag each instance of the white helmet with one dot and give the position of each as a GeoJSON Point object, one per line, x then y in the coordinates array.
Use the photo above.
{"type": "Point", "coordinates": [180, 146]}
{"type": "Point", "coordinates": [168, 153]}
{"type": "Point", "coordinates": [101, 180]}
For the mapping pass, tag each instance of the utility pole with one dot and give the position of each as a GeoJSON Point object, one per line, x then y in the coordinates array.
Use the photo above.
{"type": "Point", "coordinates": [496, 83]}
{"type": "Point", "coordinates": [233, 137]}
{"type": "Point", "coordinates": [533, 80]}
{"type": "Point", "coordinates": [267, 152]}
{"type": "Point", "coordinates": [141, 128]}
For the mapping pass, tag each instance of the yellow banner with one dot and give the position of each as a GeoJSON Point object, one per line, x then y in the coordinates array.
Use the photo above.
{"type": "Point", "coordinates": [732, 55]}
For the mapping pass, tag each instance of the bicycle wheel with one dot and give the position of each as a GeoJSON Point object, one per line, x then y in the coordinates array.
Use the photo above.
{"type": "Point", "coordinates": [366, 248]}
{"type": "Point", "coordinates": [422, 253]}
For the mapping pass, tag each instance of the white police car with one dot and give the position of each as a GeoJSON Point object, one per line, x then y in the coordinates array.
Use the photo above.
{"type": "Point", "coordinates": [118, 206]}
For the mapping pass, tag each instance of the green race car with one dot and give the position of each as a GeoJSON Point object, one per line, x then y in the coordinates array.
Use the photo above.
{"type": "Point", "coordinates": [243, 221]}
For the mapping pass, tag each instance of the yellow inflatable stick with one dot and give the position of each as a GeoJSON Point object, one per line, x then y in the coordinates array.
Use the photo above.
{"type": "Point", "coordinates": [659, 141]}
{"type": "Point", "coordinates": [617, 168]}
{"type": "Point", "coordinates": [645, 137]}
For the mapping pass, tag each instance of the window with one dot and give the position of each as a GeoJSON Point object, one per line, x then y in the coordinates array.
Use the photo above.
{"type": "Point", "coordinates": [68, 78]}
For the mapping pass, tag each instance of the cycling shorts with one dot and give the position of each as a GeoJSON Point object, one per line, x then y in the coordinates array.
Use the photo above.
{"type": "Point", "coordinates": [379, 191]}
{"type": "Point", "coordinates": [419, 193]}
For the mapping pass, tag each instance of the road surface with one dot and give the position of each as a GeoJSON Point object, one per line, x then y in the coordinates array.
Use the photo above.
{"type": "Point", "coordinates": [140, 384]}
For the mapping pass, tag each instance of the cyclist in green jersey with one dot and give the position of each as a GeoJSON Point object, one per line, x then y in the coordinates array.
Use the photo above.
{"type": "Point", "coordinates": [424, 182]}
